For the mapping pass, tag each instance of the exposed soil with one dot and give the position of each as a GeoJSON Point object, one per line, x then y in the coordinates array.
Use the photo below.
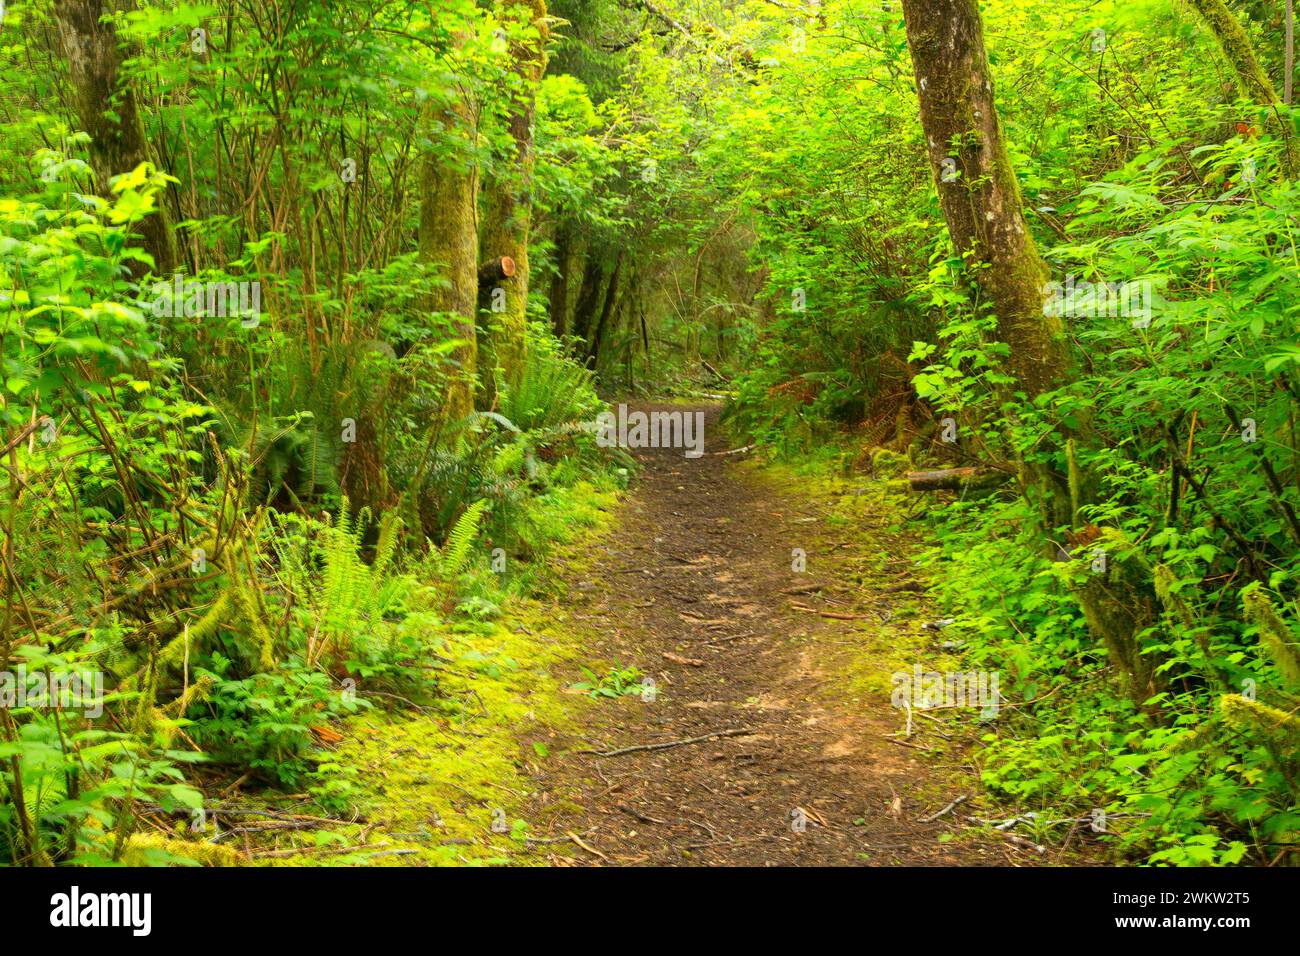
{"type": "Point", "coordinates": [697, 588]}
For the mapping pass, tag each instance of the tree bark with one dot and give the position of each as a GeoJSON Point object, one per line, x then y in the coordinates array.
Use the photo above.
{"type": "Point", "coordinates": [106, 109]}
{"type": "Point", "coordinates": [558, 297]}
{"type": "Point", "coordinates": [449, 238]}
{"type": "Point", "coordinates": [1289, 57]}
{"type": "Point", "coordinates": [1252, 79]}
{"type": "Point", "coordinates": [509, 200]}
{"type": "Point", "coordinates": [977, 186]}
{"type": "Point", "coordinates": [611, 297]}
{"type": "Point", "coordinates": [593, 277]}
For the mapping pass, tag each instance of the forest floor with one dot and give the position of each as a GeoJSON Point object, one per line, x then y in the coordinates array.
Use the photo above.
{"type": "Point", "coordinates": [789, 670]}
{"type": "Point", "coordinates": [772, 695]}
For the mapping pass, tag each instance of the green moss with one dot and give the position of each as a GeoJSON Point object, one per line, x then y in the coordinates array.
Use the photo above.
{"type": "Point", "coordinates": [435, 783]}
{"type": "Point", "coordinates": [865, 517]}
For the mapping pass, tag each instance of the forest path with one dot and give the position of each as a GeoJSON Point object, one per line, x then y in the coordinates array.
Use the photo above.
{"type": "Point", "coordinates": [696, 587]}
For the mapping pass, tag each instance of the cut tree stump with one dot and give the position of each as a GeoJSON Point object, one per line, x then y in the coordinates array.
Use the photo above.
{"type": "Point", "coordinates": [495, 270]}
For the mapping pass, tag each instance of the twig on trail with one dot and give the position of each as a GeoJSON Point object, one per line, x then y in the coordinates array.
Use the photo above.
{"type": "Point", "coordinates": [678, 659]}
{"type": "Point", "coordinates": [734, 451]}
{"type": "Point", "coordinates": [272, 826]}
{"type": "Point", "coordinates": [729, 637]}
{"type": "Point", "coordinates": [837, 616]}
{"type": "Point", "coordinates": [834, 615]}
{"type": "Point", "coordinates": [563, 839]}
{"type": "Point", "coordinates": [904, 743]}
{"type": "Point", "coordinates": [225, 810]}
{"type": "Point", "coordinates": [1027, 844]}
{"type": "Point", "coordinates": [590, 849]}
{"type": "Point", "coordinates": [1033, 817]}
{"type": "Point", "coordinates": [946, 810]}
{"type": "Point", "coordinates": [734, 732]}
{"type": "Point", "coordinates": [816, 817]}
{"type": "Point", "coordinates": [638, 815]}
{"type": "Point", "coordinates": [398, 697]}
{"type": "Point", "coordinates": [905, 586]}
{"type": "Point", "coordinates": [805, 589]}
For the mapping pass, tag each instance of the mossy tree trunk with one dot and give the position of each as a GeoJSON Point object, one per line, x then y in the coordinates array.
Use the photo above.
{"type": "Point", "coordinates": [558, 297]}
{"type": "Point", "coordinates": [508, 200]}
{"type": "Point", "coordinates": [1252, 79]}
{"type": "Point", "coordinates": [606, 311]}
{"type": "Point", "coordinates": [977, 185]}
{"type": "Point", "coordinates": [449, 238]}
{"type": "Point", "coordinates": [589, 293]}
{"type": "Point", "coordinates": [106, 109]}
{"type": "Point", "coordinates": [982, 206]}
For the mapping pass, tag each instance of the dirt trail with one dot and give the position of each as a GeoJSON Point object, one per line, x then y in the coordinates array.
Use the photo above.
{"type": "Point", "coordinates": [700, 571]}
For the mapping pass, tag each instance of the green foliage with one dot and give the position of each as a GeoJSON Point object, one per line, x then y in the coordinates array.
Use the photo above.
{"type": "Point", "coordinates": [618, 682]}
{"type": "Point", "coordinates": [1158, 691]}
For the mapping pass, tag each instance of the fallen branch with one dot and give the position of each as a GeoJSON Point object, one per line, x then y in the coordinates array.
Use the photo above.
{"type": "Point", "coordinates": [590, 849]}
{"type": "Point", "coordinates": [637, 814]}
{"type": "Point", "coordinates": [805, 589]}
{"type": "Point", "coordinates": [729, 637]}
{"type": "Point", "coordinates": [322, 851]}
{"type": "Point", "coordinates": [946, 810]}
{"type": "Point", "coordinates": [637, 748]}
{"type": "Point", "coordinates": [1027, 844]}
{"type": "Point", "coordinates": [735, 451]}
{"type": "Point", "coordinates": [833, 615]}
{"type": "Point", "coordinates": [678, 659]}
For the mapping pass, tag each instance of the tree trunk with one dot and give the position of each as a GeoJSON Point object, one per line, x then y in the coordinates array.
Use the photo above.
{"type": "Point", "coordinates": [1289, 57]}
{"type": "Point", "coordinates": [106, 109]}
{"type": "Point", "coordinates": [449, 238]}
{"type": "Point", "coordinates": [584, 311]}
{"type": "Point", "coordinates": [509, 201]}
{"type": "Point", "coordinates": [611, 297]}
{"type": "Point", "coordinates": [977, 186]}
{"type": "Point", "coordinates": [1252, 78]}
{"type": "Point", "coordinates": [1235, 42]}
{"type": "Point", "coordinates": [558, 297]}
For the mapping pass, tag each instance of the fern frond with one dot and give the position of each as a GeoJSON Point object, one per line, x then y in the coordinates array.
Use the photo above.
{"type": "Point", "coordinates": [389, 527]}
{"type": "Point", "coordinates": [461, 538]}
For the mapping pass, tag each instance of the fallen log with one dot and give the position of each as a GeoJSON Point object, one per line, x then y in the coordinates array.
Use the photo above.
{"type": "Point", "coordinates": [957, 479]}
{"type": "Point", "coordinates": [496, 270]}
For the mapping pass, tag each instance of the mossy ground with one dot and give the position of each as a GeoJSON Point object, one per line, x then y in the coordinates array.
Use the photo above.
{"type": "Point", "coordinates": [865, 529]}
{"type": "Point", "coordinates": [486, 776]}
{"type": "Point", "coordinates": [445, 789]}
